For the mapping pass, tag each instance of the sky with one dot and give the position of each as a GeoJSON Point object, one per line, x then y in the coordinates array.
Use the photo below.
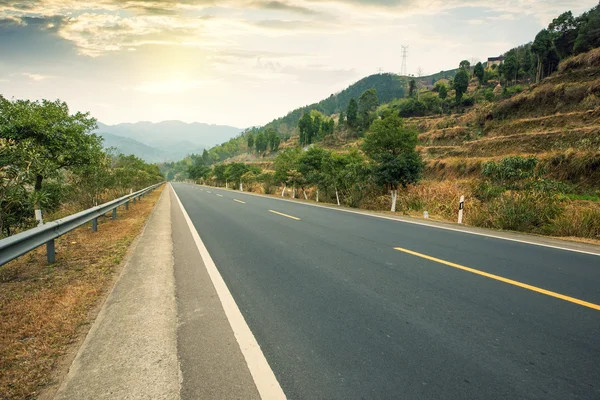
{"type": "Point", "coordinates": [241, 62]}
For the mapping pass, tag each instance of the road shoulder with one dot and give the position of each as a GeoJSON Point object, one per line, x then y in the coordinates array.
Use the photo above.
{"type": "Point", "coordinates": [131, 350]}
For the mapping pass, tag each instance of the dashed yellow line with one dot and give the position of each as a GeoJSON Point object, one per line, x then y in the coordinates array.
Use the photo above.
{"type": "Point", "coordinates": [505, 280]}
{"type": "Point", "coordinates": [284, 215]}
{"type": "Point", "coordinates": [239, 201]}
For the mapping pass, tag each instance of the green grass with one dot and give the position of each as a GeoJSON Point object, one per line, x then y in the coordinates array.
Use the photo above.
{"type": "Point", "coordinates": [586, 197]}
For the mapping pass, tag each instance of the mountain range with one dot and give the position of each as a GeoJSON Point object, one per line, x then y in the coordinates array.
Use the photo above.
{"type": "Point", "coordinates": [164, 141]}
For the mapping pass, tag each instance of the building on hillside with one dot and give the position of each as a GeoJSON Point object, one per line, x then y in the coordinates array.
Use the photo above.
{"type": "Point", "coordinates": [494, 61]}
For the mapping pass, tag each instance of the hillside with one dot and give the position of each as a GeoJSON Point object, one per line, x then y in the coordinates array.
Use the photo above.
{"type": "Point", "coordinates": [175, 139]}
{"type": "Point", "coordinates": [388, 86]}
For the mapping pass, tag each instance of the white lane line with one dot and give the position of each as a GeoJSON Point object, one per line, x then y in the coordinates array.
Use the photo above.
{"type": "Point", "coordinates": [220, 195]}
{"type": "Point", "coordinates": [264, 378]}
{"type": "Point", "coordinates": [447, 228]}
{"type": "Point", "coordinates": [284, 215]}
{"type": "Point", "coordinates": [239, 201]}
{"type": "Point", "coordinates": [208, 191]}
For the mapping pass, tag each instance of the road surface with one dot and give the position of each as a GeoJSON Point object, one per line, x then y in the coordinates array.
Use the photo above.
{"type": "Point", "coordinates": [348, 306]}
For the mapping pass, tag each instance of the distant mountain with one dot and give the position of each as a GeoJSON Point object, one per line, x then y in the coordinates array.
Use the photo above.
{"type": "Point", "coordinates": [172, 139]}
{"type": "Point", "coordinates": [132, 146]}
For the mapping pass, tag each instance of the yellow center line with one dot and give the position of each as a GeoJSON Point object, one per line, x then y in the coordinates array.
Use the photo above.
{"type": "Point", "coordinates": [239, 201]}
{"type": "Point", "coordinates": [505, 280]}
{"type": "Point", "coordinates": [220, 195]}
{"type": "Point", "coordinates": [285, 215]}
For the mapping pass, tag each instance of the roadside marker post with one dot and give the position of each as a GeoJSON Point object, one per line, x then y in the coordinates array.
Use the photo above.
{"type": "Point", "coordinates": [461, 207]}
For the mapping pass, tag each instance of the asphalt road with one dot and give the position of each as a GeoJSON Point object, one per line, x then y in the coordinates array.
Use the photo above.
{"type": "Point", "coordinates": [340, 313]}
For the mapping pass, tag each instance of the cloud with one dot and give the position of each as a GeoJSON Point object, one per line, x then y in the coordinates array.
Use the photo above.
{"type": "Point", "coordinates": [281, 6]}
{"type": "Point", "coordinates": [35, 77]}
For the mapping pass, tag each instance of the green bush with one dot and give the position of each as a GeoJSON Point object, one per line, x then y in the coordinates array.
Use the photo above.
{"type": "Point", "coordinates": [510, 169]}
{"type": "Point", "coordinates": [412, 108]}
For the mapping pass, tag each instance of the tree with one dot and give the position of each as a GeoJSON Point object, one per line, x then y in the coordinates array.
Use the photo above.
{"type": "Point", "coordinates": [206, 157]}
{"type": "Point", "coordinates": [461, 83]}
{"type": "Point", "coordinates": [412, 85]}
{"type": "Point", "coordinates": [510, 67]}
{"type": "Point", "coordinates": [275, 144]}
{"type": "Point", "coordinates": [341, 119]}
{"type": "Point", "coordinates": [62, 140]}
{"type": "Point", "coordinates": [284, 163]}
{"type": "Point", "coordinates": [348, 174]}
{"type": "Point", "coordinates": [564, 29]}
{"type": "Point", "coordinates": [367, 105]}
{"type": "Point", "coordinates": [352, 113]}
{"type": "Point", "coordinates": [589, 32]}
{"type": "Point", "coordinates": [310, 165]}
{"type": "Point", "coordinates": [198, 171]}
{"type": "Point", "coordinates": [465, 64]}
{"type": "Point", "coordinates": [392, 146]}
{"type": "Point", "coordinates": [250, 142]}
{"type": "Point", "coordinates": [272, 137]}
{"type": "Point", "coordinates": [547, 57]}
{"type": "Point", "coordinates": [260, 142]}
{"type": "Point", "coordinates": [218, 173]}
{"type": "Point", "coordinates": [234, 172]}
{"type": "Point", "coordinates": [479, 72]}
{"type": "Point", "coordinates": [306, 127]}
{"type": "Point", "coordinates": [443, 91]}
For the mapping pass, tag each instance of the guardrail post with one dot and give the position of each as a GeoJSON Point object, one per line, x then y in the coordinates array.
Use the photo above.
{"type": "Point", "coordinates": [134, 200]}
{"type": "Point", "coordinates": [51, 252]}
{"type": "Point", "coordinates": [114, 215]}
{"type": "Point", "coordinates": [127, 205]}
{"type": "Point", "coordinates": [95, 225]}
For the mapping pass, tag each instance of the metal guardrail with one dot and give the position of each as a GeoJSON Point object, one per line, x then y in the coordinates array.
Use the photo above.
{"type": "Point", "coordinates": [21, 243]}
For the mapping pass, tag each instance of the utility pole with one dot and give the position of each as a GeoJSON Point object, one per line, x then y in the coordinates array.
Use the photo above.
{"type": "Point", "coordinates": [403, 71]}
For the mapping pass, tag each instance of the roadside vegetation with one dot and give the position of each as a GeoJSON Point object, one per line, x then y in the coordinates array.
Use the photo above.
{"type": "Point", "coordinates": [520, 138]}
{"type": "Point", "coordinates": [51, 165]}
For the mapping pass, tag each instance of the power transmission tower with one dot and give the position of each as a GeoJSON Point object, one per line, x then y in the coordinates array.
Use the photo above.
{"type": "Point", "coordinates": [403, 71]}
{"type": "Point", "coordinates": [380, 70]}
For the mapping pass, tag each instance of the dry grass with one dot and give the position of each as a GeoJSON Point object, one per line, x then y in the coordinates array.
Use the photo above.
{"type": "Point", "coordinates": [585, 60]}
{"type": "Point", "coordinates": [42, 308]}
{"type": "Point", "coordinates": [549, 98]}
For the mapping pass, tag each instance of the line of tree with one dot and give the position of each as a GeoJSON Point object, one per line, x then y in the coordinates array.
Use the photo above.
{"type": "Point", "coordinates": [49, 158]}
{"type": "Point", "coordinates": [388, 161]}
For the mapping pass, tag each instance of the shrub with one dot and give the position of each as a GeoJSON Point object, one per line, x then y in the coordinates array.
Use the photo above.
{"type": "Point", "coordinates": [467, 101]}
{"type": "Point", "coordinates": [489, 95]}
{"type": "Point", "coordinates": [412, 108]}
{"type": "Point", "coordinates": [510, 169]}
{"type": "Point", "coordinates": [522, 211]}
